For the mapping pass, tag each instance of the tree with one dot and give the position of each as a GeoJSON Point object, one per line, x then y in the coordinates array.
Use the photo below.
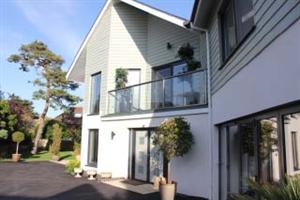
{"type": "Point", "coordinates": [174, 138]}
{"type": "Point", "coordinates": [55, 146]}
{"type": "Point", "coordinates": [53, 88]}
{"type": "Point", "coordinates": [24, 112]}
{"type": "Point", "coordinates": [121, 78]}
{"type": "Point", "coordinates": [3, 134]}
{"type": "Point", "coordinates": [18, 137]}
{"type": "Point", "coordinates": [8, 120]}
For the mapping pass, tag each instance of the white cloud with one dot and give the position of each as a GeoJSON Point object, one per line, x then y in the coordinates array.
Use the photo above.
{"type": "Point", "coordinates": [54, 20]}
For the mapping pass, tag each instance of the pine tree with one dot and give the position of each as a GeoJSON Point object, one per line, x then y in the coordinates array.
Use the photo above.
{"type": "Point", "coordinates": [51, 83]}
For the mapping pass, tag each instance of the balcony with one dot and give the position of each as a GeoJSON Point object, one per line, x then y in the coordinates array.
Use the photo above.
{"type": "Point", "coordinates": [181, 91]}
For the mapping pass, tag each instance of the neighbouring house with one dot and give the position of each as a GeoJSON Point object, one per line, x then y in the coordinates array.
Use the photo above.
{"type": "Point", "coordinates": [243, 104]}
{"type": "Point", "coordinates": [72, 116]}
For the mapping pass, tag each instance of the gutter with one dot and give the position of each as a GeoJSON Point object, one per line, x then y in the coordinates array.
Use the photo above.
{"type": "Point", "coordinates": [190, 25]}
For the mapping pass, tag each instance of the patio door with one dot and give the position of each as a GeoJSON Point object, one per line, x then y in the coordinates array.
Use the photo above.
{"type": "Point", "coordinates": [147, 162]}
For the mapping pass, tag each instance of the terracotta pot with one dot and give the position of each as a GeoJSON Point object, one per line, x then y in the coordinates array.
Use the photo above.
{"type": "Point", "coordinates": [16, 157]}
{"type": "Point", "coordinates": [167, 191]}
{"type": "Point", "coordinates": [55, 157]}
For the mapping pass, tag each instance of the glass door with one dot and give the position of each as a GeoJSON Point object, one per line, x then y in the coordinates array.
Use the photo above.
{"type": "Point", "coordinates": [141, 155]}
{"type": "Point", "coordinates": [147, 160]}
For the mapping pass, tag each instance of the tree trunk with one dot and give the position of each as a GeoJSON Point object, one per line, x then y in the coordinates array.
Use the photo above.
{"type": "Point", "coordinates": [169, 173]}
{"type": "Point", "coordinates": [17, 151]}
{"type": "Point", "coordinates": [40, 128]}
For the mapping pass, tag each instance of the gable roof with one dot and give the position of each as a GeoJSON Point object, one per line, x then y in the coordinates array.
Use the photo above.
{"type": "Point", "coordinates": [143, 7]}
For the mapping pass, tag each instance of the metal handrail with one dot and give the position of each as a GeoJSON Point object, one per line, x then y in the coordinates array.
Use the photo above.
{"type": "Point", "coordinates": [164, 79]}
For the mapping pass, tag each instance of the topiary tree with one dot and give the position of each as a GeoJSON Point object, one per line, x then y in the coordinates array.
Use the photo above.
{"type": "Point", "coordinates": [55, 146]}
{"type": "Point", "coordinates": [3, 134]}
{"type": "Point", "coordinates": [121, 78]}
{"type": "Point", "coordinates": [18, 137]}
{"type": "Point", "coordinates": [174, 138]}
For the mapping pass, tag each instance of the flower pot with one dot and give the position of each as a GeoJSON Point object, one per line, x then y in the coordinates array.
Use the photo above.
{"type": "Point", "coordinates": [78, 157]}
{"type": "Point", "coordinates": [55, 157]}
{"type": "Point", "coordinates": [16, 157]}
{"type": "Point", "coordinates": [167, 191]}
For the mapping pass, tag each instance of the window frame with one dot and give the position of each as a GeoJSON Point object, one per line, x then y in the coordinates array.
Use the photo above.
{"type": "Point", "coordinates": [295, 146]}
{"type": "Point", "coordinates": [222, 33]}
{"type": "Point", "coordinates": [91, 95]}
{"type": "Point", "coordinates": [278, 112]}
{"type": "Point", "coordinates": [95, 132]}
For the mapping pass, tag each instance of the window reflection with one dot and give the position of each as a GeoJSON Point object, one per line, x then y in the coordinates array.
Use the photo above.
{"type": "Point", "coordinates": [292, 135]}
{"type": "Point", "coordinates": [269, 151]}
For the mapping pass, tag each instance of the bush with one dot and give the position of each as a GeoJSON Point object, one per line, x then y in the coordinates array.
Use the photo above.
{"type": "Point", "coordinates": [55, 146]}
{"type": "Point", "coordinates": [3, 134]}
{"type": "Point", "coordinates": [174, 138]}
{"type": "Point", "coordinates": [71, 165]}
{"type": "Point", "coordinates": [267, 191]}
{"type": "Point", "coordinates": [121, 78]}
{"type": "Point", "coordinates": [77, 148]}
{"type": "Point", "coordinates": [18, 137]}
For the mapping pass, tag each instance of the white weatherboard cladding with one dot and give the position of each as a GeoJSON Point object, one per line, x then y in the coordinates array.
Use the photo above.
{"type": "Point", "coordinates": [271, 79]}
{"type": "Point", "coordinates": [97, 51]}
{"type": "Point", "coordinates": [128, 41]}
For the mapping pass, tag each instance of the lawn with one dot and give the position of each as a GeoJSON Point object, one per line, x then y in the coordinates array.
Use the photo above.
{"type": "Point", "coordinates": [46, 156]}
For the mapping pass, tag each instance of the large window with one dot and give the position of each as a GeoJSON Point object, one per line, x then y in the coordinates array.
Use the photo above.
{"type": "Point", "coordinates": [236, 22]}
{"type": "Point", "coordinates": [263, 148]}
{"type": "Point", "coordinates": [95, 93]}
{"type": "Point", "coordinates": [177, 91]}
{"type": "Point", "coordinates": [93, 147]}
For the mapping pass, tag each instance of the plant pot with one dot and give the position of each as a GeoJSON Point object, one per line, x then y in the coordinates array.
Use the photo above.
{"type": "Point", "coordinates": [16, 157]}
{"type": "Point", "coordinates": [167, 191]}
{"type": "Point", "coordinates": [55, 157]}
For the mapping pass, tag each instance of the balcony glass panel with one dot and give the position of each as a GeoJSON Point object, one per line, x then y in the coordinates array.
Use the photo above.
{"type": "Point", "coordinates": [185, 89]}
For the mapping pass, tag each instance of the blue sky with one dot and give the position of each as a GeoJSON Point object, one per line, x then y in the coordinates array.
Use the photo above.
{"type": "Point", "coordinates": [62, 24]}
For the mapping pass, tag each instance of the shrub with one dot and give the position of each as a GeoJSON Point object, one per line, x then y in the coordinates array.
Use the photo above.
{"type": "Point", "coordinates": [55, 146]}
{"type": "Point", "coordinates": [18, 137]}
{"type": "Point", "coordinates": [290, 190]}
{"type": "Point", "coordinates": [3, 134]}
{"type": "Point", "coordinates": [71, 165]}
{"type": "Point", "coordinates": [121, 78]}
{"type": "Point", "coordinates": [174, 138]}
{"type": "Point", "coordinates": [77, 147]}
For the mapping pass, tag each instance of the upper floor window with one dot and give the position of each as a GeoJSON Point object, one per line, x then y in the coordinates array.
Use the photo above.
{"type": "Point", "coordinates": [95, 93]}
{"type": "Point", "coordinates": [236, 23]}
{"type": "Point", "coordinates": [169, 70]}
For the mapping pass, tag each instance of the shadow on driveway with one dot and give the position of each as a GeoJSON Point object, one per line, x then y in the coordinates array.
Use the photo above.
{"type": "Point", "coordinates": [48, 181]}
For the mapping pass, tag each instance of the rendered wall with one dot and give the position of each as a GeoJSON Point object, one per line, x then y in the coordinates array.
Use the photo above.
{"type": "Point", "coordinates": [192, 171]}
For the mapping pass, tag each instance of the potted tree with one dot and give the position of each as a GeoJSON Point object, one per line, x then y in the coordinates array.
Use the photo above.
{"type": "Point", "coordinates": [174, 138]}
{"type": "Point", "coordinates": [17, 137]}
{"type": "Point", "coordinates": [55, 146]}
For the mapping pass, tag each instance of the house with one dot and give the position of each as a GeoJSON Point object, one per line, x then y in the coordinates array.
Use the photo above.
{"type": "Point", "coordinates": [248, 86]}
{"type": "Point", "coordinates": [254, 49]}
{"type": "Point", "coordinates": [72, 116]}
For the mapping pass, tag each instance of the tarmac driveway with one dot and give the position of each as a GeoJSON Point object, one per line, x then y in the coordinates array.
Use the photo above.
{"type": "Point", "coordinates": [48, 181]}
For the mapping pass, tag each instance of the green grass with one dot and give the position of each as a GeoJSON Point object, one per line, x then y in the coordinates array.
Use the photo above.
{"type": "Point", "coordinates": [46, 156]}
